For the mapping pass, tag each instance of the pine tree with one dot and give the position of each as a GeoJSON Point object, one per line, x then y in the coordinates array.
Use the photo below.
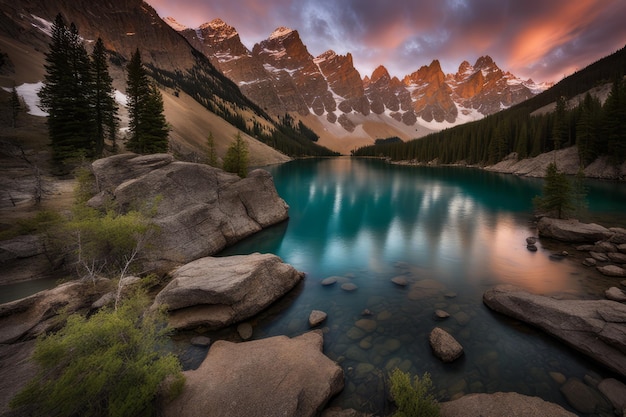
{"type": "Point", "coordinates": [559, 129]}
{"type": "Point", "coordinates": [557, 197]}
{"type": "Point", "coordinates": [154, 128]}
{"type": "Point", "coordinates": [67, 94]}
{"type": "Point", "coordinates": [147, 125]}
{"type": "Point", "coordinates": [16, 106]}
{"type": "Point", "coordinates": [586, 129]}
{"type": "Point", "coordinates": [211, 152]}
{"type": "Point", "coordinates": [614, 111]}
{"type": "Point", "coordinates": [105, 106]}
{"type": "Point", "coordinates": [236, 159]}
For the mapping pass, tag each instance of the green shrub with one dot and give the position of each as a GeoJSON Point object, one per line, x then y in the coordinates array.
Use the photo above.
{"type": "Point", "coordinates": [42, 222]}
{"type": "Point", "coordinates": [412, 399]}
{"type": "Point", "coordinates": [112, 364]}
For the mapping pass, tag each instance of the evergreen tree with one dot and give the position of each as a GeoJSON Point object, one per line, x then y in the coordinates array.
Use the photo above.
{"type": "Point", "coordinates": [614, 111]}
{"type": "Point", "coordinates": [236, 159]}
{"type": "Point", "coordinates": [211, 152]}
{"type": "Point", "coordinates": [147, 125]}
{"type": "Point", "coordinates": [586, 129]}
{"type": "Point", "coordinates": [557, 198]}
{"type": "Point", "coordinates": [559, 129]}
{"type": "Point", "coordinates": [155, 130]}
{"type": "Point", "coordinates": [105, 106]}
{"type": "Point", "coordinates": [67, 94]}
{"type": "Point", "coordinates": [16, 106]}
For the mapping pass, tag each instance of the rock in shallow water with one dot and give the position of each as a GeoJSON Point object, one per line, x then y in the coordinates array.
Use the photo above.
{"type": "Point", "coordinates": [444, 346]}
{"type": "Point", "coordinates": [596, 328]}
{"type": "Point", "coordinates": [316, 318]}
{"type": "Point", "coordinates": [216, 292]}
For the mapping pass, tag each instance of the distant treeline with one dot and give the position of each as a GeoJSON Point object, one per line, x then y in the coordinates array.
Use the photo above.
{"type": "Point", "coordinates": [221, 96]}
{"type": "Point", "coordinates": [597, 129]}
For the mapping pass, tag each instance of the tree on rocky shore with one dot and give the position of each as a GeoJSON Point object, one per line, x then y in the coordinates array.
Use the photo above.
{"type": "Point", "coordinates": [557, 198]}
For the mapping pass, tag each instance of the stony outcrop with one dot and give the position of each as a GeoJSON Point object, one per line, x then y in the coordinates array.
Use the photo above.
{"type": "Point", "coordinates": [500, 404]}
{"type": "Point", "coordinates": [29, 317]}
{"type": "Point", "coordinates": [596, 328]}
{"type": "Point", "coordinates": [277, 376]}
{"type": "Point", "coordinates": [16, 369]}
{"type": "Point", "coordinates": [572, 230]}
{"type": "Point", "coordinates": [23, 258]}
{"type": "Point", "coordinates": [199, 209]}
{"type": "Point", "coordinates": [216, 292]}
{"type": "Point", "coordinates": [444, 345]}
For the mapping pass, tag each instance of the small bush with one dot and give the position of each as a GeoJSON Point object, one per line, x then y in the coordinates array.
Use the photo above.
{"type": "Point", "coordinates": [41, 223]}
{"type": "Point", "coordinates": [112, 364]}
{"type": "Point", "coordinates": [413, 399]}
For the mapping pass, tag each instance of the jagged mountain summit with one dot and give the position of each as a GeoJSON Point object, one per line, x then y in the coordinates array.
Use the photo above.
{"type": "Point", "coordinates": [281, 76]}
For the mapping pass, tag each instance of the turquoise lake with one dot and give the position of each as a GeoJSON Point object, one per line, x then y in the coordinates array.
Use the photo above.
{"type": "Point", "coordinates": [452, 233]}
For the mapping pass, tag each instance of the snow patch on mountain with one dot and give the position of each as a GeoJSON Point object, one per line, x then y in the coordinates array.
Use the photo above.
{"type": "Point", "coordinates": [29, 94]}
{"type": "Point", "coordinates": [173, 23]}
{"type": "Point", "coordinates": [280, 32]}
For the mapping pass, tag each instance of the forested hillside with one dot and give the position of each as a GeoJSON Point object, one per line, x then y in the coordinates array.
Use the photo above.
{"type": "Point", "coordinates": [596, 128]}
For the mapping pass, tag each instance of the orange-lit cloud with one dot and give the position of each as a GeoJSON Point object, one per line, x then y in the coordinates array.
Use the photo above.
{"type": "Point", "coordinates": [547, 32]}
{"type": "Point", "coordinates": [531, 38]}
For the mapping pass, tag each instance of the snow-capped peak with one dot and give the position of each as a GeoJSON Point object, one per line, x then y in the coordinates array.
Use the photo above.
{"type": "Point", "coordinates": [178, 27]}
{"type": "Point", "coordinates": [280, 32]}
{"type": "Point", "coordinates": [219, 28]}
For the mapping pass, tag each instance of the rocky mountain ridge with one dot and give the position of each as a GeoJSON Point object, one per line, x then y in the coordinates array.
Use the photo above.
{"type": "Point", "coordinates": [280, 75]}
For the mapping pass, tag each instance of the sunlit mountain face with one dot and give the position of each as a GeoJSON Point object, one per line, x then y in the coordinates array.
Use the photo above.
{"type": "Point", "coordinates": [534, 40]}
{"type": "Point", "coordinates": [281, 75]}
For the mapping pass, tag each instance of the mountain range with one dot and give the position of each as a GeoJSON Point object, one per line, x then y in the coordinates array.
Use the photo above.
{"type": "Point", "coordinates": [213, 83]}
{"type": "Point", "coordinates": [281, 76]}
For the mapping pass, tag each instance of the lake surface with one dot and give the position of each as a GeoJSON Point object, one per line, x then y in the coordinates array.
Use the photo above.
{"type": "Point", "coordinates": [452, 233]}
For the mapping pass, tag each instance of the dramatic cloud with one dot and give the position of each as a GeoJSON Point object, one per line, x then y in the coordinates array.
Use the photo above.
{"type": "Point", "coordinates": [538, 39]}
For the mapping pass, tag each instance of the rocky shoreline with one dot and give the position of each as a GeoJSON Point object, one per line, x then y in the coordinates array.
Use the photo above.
{"type": "Point", "coordinates": [567, 160]}
{"type": "Point", "coordinates": [289, 376]}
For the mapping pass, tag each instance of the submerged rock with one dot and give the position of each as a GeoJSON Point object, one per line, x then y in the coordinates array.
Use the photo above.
{"type": "Point", "coordinates": [583, 398]}
{"type": "Point", "coordinates": [596, 328]}
{"type": "Point", "coordinates": [615, 294]}
{"type": "Point", "coordinates": [277, 376]}
{"type": "Point", "coordinates": [612, 271]}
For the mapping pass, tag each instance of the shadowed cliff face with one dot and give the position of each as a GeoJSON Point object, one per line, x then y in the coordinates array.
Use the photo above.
{"type": "Point", "coordinates": [123, 26]}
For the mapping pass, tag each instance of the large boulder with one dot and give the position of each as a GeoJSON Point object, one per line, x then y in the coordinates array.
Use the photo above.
{"type": "Point", "coordinates": [596, 328]}
{"type": "Point", "coordinates": [572, 230]}
{"type": "Point", "coordinates": [500, 404]}
{"type": "Point", "coordinates": [199, 210]}
{"type": "Point", "coordinates": [216, 292]}
{"type": "Point", "coordinates": [29, 317]}
{"type": "Point", "coordinates": [277, 376]}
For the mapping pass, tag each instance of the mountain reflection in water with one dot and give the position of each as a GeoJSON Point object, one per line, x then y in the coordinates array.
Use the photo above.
{"type": "Point", "coordinates": [451, 233]}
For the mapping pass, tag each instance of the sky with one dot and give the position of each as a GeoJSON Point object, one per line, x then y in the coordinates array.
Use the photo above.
{"type": "Point", "coordinates": [540, 39]}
